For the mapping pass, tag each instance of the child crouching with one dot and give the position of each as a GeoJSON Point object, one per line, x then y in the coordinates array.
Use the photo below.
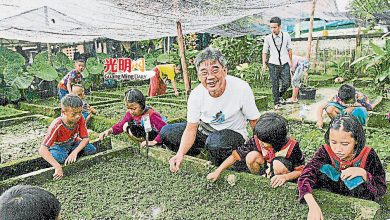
{"type": "Point", "coordinates": [270, 152]}
{"type": "Point", "coordinates": [133, 123]}
{"type": "Point", "coordinates": [67, 136]}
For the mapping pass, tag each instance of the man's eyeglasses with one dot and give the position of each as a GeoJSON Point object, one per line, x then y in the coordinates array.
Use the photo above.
{"type": "Point", "coordinates": [214, 71]}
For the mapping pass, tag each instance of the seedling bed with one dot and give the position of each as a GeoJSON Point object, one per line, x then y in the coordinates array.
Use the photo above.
{"type": "Point", "coordinates": [129, 186]}
{"type": "Point", "coordinates": [51, 106]}
{"type": "Point", "coordinates": [7, 112]}
{"type": "Point", "coordinates": [20, 140]}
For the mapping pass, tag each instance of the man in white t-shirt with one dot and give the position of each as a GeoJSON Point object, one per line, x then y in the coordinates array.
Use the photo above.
{"type": "Point", "coordinates": [278, 45]}
{"type": "Point", "coordinates": [217, 113]}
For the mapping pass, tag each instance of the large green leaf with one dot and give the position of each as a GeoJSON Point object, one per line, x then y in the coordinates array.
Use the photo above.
{"type": "Point", "coordinates": [102, 57]}
{"type": "Point", "coordinates": [359, 60]}
{"type": "Point", "coordinates": [60, 60]}
{"type": "Point", "coordinates": [376, 61]}
{"type": "Point", "coordinates": [94, 66]}
{"type": "Point", "coordinates": [379, 51]}
{"type": "Point", "coordinates": [381, 77]}
{"type": "Point", "coordinates": [10, 93]}
{"type": "Point", "coordinates": [42, 57]}
{"type": "Point", "coordinates": [14, 75]}
{"type": "Point", "coordinates": [43, 71]}
{"type": "Point", "coordinates": [9, 57]}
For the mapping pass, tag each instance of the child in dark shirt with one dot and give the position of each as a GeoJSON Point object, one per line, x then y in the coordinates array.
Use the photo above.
{"type": "Point", "coordinates": [270, 148]}
{"type": "Point", "coordinates": [343, 165]}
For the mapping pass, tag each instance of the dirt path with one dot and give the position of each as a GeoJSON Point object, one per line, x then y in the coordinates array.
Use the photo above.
{"type": "Point", "coordinates": [310, 106]}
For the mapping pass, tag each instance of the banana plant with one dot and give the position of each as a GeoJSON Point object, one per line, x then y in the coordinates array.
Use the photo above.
{"type": "Point", "coordinates": [339, 67]}
{"type": "Point", "coordinates": [377, 63]}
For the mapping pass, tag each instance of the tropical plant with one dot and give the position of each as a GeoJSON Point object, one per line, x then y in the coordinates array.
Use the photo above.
{"type": "Point", "coordinates": [339, 67]}
{"type": "Point", "coordinates": [246, 49]}
{"type": "Point", "coordinates": [13, 75]}
{"type": "Point", "coordinates": [377, 63]}
{"type": "Point", "coordinates": [249, 72]}
{"type": "Point", "coordinates": [366, 9]}
{"type": "Point", "coordinates": [42, 68]}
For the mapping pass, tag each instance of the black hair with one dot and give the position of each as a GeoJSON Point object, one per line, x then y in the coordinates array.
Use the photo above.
{"type": "Point", "coordinates": [276, 20]}
{"type": "Point", "coordinates": [349, 123]}
{"type": "Point", "coordinates": [346, 92]}
{"type": "Point", "coordinates": [271, 128]}
{"type": "Point", "coordinates": [80, 61]}
{"type": "Point", "coordinates": [134, 95]}
{"type": "Point", "coordinates": [23, 202]}
{"type": "Point", "coordinates": [71, 101]}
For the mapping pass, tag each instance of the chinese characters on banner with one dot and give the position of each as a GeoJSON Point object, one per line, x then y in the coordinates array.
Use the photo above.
{"type": "Point", "coordinates": [123, 69]}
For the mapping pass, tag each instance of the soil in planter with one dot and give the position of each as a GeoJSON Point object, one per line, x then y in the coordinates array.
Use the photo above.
{"type": "Point", "coordinates": [54, 102]}
{"type": "Point", "coordinates": [5, 110]}
{"type": "Point", "coordinates": [117, 111]}
{"type": "Point", "coordinates": [133, 187]}
{"type": "Point", "coordinates": [21, 140]}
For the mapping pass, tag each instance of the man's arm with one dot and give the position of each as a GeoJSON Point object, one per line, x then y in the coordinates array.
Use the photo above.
{"type": "Point", "coordinates": [187, 140]}
{"type": "Point", "coordinates": [290, 56]}
{"type": "Point", "coordinates": [264, 58]}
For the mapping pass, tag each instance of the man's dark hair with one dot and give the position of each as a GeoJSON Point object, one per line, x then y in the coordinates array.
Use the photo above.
{"type": "Point", "coordinates": [71, 101]}
{"type": "Point", "coordinates": [276, 20]}
{"type": "Point", "coordinates": [23, 202]}
{"type": "Point", "coordinates": [271, 128]}
{"type": "Point", "coordinates": [135, 96]}
{"type": "Point", "coordinates": [349, 123]}
{"type": "Point", "coordinates": [346, 93]}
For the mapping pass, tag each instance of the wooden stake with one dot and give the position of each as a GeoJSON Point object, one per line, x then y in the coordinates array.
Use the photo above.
{"type": "Point", "coordinates": [315, 55]}
{"type": "Point", "coordinates": [183, 58]}
{"type": "Point", "coordinates": [310, 37]}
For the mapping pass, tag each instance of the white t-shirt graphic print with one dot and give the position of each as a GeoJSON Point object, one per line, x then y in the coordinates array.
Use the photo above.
{"type": "Point", "coordinates": [229, 111]}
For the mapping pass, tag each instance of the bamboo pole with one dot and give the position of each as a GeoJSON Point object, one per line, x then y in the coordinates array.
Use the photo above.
{"type": "Point", "coordinates": [315, 56]}
{"type": "Point", "coordinates": [310, 37]}
{"type": "Point", "coordinates": [183, 58]}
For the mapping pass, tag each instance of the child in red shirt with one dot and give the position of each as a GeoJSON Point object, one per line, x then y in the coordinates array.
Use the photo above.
{"type": "Point", "coordinates": [67, 136]}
